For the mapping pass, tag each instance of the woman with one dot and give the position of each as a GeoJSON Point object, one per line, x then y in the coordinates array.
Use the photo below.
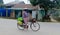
{"type": "Point", "coordinates": [25, 18]}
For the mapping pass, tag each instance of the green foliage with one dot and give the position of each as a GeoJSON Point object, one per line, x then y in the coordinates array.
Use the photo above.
{"type": "Point", "coordinates": [1, 2]}
{"type": "Point", "coordinates": [45, 3]}
{"type": "Point", "coordinates": [34, 2]}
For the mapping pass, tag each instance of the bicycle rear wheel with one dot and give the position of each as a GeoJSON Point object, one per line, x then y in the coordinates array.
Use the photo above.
{"type": "Point", "coordinates": [35, 26]}
{"type": "Point", "coordinates": [20, 27]}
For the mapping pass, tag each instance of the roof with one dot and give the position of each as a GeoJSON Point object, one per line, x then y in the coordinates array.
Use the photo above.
{"type": "Point", "coordinates": [25, 6]}
{"type": "Point", "coordinates": [21, 5]}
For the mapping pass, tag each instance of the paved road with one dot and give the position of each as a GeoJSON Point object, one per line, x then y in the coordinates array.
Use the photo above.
{"type": "Point", "coordinates": [9, 27]}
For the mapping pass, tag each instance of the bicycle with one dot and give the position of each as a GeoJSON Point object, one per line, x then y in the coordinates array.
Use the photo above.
{"type": "Point", "coordinates": [33, 23]}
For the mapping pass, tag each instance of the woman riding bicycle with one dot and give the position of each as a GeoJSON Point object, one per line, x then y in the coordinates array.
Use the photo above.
{"type": "Point", "coordinates": [24, 19]}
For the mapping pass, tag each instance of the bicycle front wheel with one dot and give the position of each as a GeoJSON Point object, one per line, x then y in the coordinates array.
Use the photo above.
{"type": "Point", "coordinates": [35, 26]}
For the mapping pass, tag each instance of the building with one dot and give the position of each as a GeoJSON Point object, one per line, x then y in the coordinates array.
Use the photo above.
{"type": "Point", "coordinates": [6, 12]}
{"type": "Point", "coordinates": [18, 8]}
{"type": "Point", "coordinates": [14, 9]}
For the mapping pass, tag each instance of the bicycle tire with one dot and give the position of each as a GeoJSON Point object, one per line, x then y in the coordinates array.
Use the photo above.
{"type": "Point", "coordinates": [32, 28]}
{"type": "Point", "coordinates": [19, 27]}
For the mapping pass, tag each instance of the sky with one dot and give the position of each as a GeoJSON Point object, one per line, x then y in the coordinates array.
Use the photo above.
{"type": "Point", "coordinates": [8, 1]}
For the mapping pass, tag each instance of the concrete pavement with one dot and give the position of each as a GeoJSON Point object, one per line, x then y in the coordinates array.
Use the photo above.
{"type": "Point", "coordinates": [9, 27]}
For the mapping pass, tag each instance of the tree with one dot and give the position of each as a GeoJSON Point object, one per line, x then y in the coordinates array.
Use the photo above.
{"type": "Point", "coordinates": [1, 2]}
{"type": "Point", "coordinates": [46, 4]}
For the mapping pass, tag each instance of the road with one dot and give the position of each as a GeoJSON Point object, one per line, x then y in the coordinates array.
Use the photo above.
{"type": "Point", "coordinates": [9, 27]}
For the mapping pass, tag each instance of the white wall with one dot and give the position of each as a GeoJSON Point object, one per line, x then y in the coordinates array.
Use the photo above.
{"type": "Point", "coordinates": [39, 15]}
{"type": "Point", "coordinates": [33, 14]}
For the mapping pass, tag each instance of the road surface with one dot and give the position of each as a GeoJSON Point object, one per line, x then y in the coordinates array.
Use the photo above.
{"type": "Point", "coordinates": [9, 27]}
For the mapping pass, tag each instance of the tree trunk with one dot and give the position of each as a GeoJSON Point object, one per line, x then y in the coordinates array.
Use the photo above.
{"type": "Point", "coordinates": [46, 17]}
